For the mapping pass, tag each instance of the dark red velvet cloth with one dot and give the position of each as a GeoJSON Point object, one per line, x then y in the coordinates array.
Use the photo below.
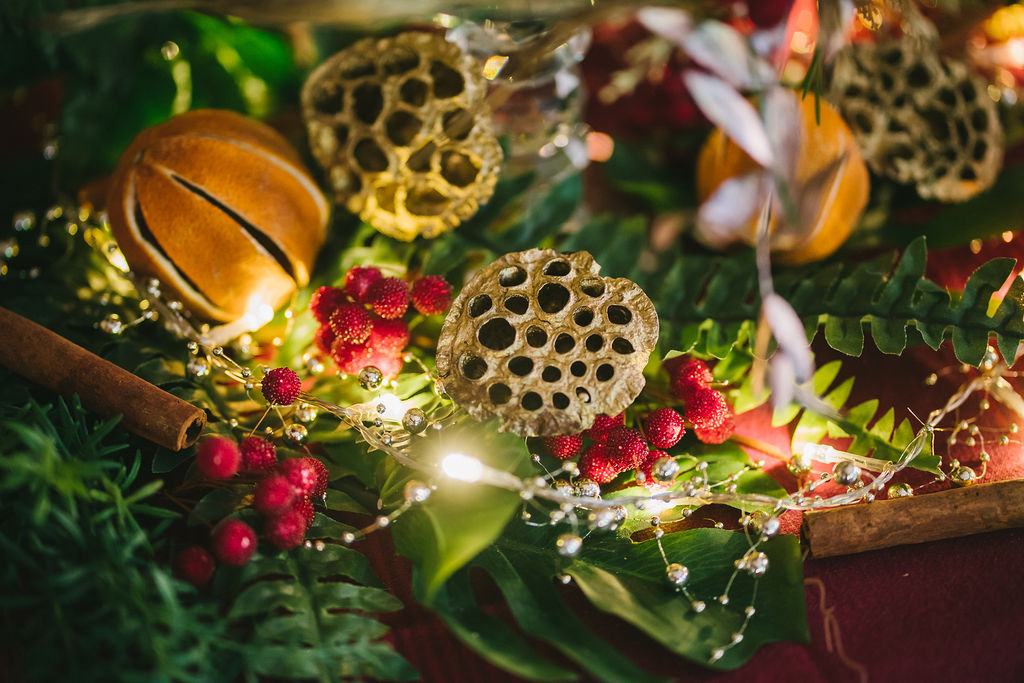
{"type": "Point", "coordinates": [943, 611]}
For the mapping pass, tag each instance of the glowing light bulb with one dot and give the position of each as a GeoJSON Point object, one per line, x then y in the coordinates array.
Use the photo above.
{"type": "Point", "coordinates": [394, 408]}
{"type": "Point", "coordinates": [462, 467]}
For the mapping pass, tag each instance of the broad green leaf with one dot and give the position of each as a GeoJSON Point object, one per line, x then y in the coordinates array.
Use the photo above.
{"type": "Point", "coordinates": [489, 637]}
{"type": "Point", "coordinates": [459, 519]}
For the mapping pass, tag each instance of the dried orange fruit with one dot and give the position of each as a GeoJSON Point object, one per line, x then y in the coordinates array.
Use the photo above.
{"type": "Point", "coordinates": [219, 208]}
{"type": "Point", "coordinates": [828, 159]}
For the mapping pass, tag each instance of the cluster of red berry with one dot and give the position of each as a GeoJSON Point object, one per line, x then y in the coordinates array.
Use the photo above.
{"type": "Point", "coordinates": [616, 448]}
{"type": "Point", "coordinates": [283, 495]}
{"type": "Point", "coordinates": [361, 323]}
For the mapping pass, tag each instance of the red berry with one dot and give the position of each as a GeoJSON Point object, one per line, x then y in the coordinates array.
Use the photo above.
{"type": "Point", "coordinates": [351, 323]}
{"type": "Point", "coordinates": [564, 447]}
{"type": "Point", "coordinates": [359, 280]}
{"type": "Point", "coordinates": [324, 339]}
{"type": "Point", "coordinates": [717, 434]}
{"type": "Point", "coordinates": [258, 455]}
{"type": "Point", "coordinates": [389, 335]}
{"type": "Point", "coordinates": [218, 457]}
{"type": "Point", "coordinates": [688, 376]}
{"type": "Point", "coordinates": [322, 477]}
{"type": "Point", "coordinates": [234, 541]}
{"type": "Point", "coordinates": [389, 363]}
{"type": "Point", "coordinates": [431, 295]}
{"type": "Point", "coordinates": [598, 464]}
{"type": "Point", "coordinates": [628, 447]}
{"type": "Point", "coordinates": [664, 428]}
{"type": "Point", "coordinates": [304, 506]}
{"type": "Point", "coordinates": [707, 409]}
{"type": "Point", "coordinates": [286, 531]}
{"type": "Point", "coordinates": [194, 565]}
{"type": "Point", "coordinates": [273, 495]}
{"type": "Point", "coordinates": [647, 481]}
{"type": "Point", "coordinates": [389, 297]}
{"type": "Point", "coordinates": [602, 426]}
{"type": "Point", "coordinates": [351, 358]}
{"type": "Point", "coordinates": [325, 301]}
{"type": "Point", "coordinates": [300, 474]}
{"type": "Point", "coordinates": [281, 386]}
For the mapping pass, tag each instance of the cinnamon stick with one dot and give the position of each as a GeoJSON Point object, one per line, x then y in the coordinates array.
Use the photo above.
{"type": "Point", "coordinates": [47, 359]}
{"type": "Point", "coordinates": [918, 519]}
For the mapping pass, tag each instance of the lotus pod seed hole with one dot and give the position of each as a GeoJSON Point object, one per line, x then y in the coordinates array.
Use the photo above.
{"type": "Point", "coordinates": [564, 343]}
{"type": "Point", "coordinates": [622, 346]}
{"type": "Point", "coordinates": [479, 305]}
{"type": "Point", "coordinates": [520, 366]}
{"type": "Point", "coordinates": [497, 334]}
{"type": "Point", "coordinates": [472, 366]}
{"type": "Point", "coordinates": [499, 394]}
{"type": "Point", "coordinates": [619, 315]}
{"type": "Point", "coordinates": [552, 297]}
{"type": "Point", "coordinates": [531, 401]}
{"type": "Point", "coordinates": [511, 276]}
{"type": "Point", "coordinates": [535, 336]}
{"type": "Point", "coordinates": [517, 304]}
{"type": "Point", "coordinates": [551, 374]}
{"type": "Point", "coordinates": [557, 268]}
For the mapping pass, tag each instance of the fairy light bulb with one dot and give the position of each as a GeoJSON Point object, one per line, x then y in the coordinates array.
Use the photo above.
{"type": "Point", "coordinates": [462, 467]}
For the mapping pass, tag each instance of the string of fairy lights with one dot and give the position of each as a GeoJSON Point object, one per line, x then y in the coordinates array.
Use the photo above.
{"type": "Point", "coordinates": [555, 497]}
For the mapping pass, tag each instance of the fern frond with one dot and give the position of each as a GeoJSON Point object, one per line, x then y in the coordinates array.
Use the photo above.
{"type": "Point", "coordinates": [302, 609]}
{"type": "Point", "coordinates": [873, 434]}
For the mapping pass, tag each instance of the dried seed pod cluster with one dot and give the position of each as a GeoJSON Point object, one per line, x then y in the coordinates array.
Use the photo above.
{"type": "Point", "coordinates": [219, 208]}
{"type": "Point", "coordinates": [920, 118]}
{"type": "Point", "coordinates": [401, 126]}
{"type": "Point", "coordinates": [544, 343]}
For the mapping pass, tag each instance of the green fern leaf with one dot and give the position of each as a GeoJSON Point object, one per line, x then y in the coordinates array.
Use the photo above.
{"type": "Point", "coordinates": [300, 608]}
{"type": "Point", "coordinates": [876, 435]}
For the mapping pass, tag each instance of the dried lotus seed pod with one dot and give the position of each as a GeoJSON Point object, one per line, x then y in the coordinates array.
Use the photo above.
{"type": "Point", "coordinates": [219, 208]}
{"type": "Point", "coordinates": [544, 343]}
{"type": "Point", "coordinates": [919, 118]}
{"type": "Point", "coordinates": [402, 129]}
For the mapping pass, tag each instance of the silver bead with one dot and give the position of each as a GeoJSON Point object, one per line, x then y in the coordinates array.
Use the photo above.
{"type": "Point", "coordinates": [371, 378]}
{"type": "Point", "coordinates": [716, 654]}
{"type": "Point", "coordinates": [306, 413]}
{"type": "Point", "coordinates": [698, 606]}
{"type": "Point", "coordinates": [348, 538]}
{"type": "Point", "coordinates": [314, 365]}
{"type": "Point", "coordinates": [571, 468]}
{"type": "Point", "coordinates": [296, 433]}
{"type": "Point", "coordinates": [749, 611]}
{"type": "Point", "coordinates": [175, 305]}
{"type": "Point", "coordinates": [1003, 440]}
{"type": "Point", "coordinates": [563, 487]}
{"type": "Point", "coordinates": [377, 422]}
{"type": "Point", "coordinates": [983, 404]}
{"type": "Point", "coordinates": [962, 476]}
{"type": "Point", "coordinates": [381, 522]}
{"type": "Point", "coordinates": [564, 579]}
{"type": "Point", "coordinates": [620, 513]}
{"type": "Point", "coordinates": [414, 421]}
{"type": "Point", "coordinates": [846, 473]}
{"type": "Point", "coordinates": [112, 324]}
{"type": "Point", "coordinates": [800, 463]}
{"type": "Point", "coordinates": [677, 573]}
{"type": "Point", "coordinates": [587, 488]}
{"type": "Point", "coordinates": [723, 599]}
{"type": "Point", "coordinates": [601, 518]}
{"type": "Point", "coordinates": [659, 532]}
{"type": "Point", "coordinates": [664, 469]}
{"type": "Point", "coordinates": [900, 490]}
{"type": "Point", "coordinates": [767, 524]}
{"type": "Point", "coordinates": [569, 545]}
{"type": "Point", "coordinates": [753, 562]}
{"type": "Point", "coordinates": [984, 456]}
{"type": "Point", "coordinates": [192, 347]}
{"type": "Point", "coordinates": [198, 366]}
